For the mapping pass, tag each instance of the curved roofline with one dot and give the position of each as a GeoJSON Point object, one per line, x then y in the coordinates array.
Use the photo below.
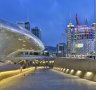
{"type": "Point", "coordinates": [20, 30]}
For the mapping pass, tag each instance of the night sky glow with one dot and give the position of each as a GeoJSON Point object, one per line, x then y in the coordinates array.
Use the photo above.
{"type": "Point", "coordinates": [51, 16]}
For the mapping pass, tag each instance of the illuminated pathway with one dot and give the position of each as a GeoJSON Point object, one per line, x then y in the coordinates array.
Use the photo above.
{"type": "Point", "coordinates": [47, 80]}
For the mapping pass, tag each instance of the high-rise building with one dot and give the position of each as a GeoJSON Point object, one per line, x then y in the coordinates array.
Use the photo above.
{"type": "Point", "coordinates": [25, 25]}
{"type": "Point", "coordinates": [61, 50]}
{"type": "Point", "coordinates": [94, 28]}
{"type": "Point", "coordinates": [37, 32]}
{"type": "Point", "coordinates": [82, 39]}
{"type": "Point", "coordinates": [70, 27]}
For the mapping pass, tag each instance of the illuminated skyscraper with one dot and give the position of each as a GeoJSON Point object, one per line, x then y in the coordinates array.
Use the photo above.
{"type": "Point", "coordinates": [70, 28]}
{"type": "Point", "coordinates": [94, 27]}
{"type": "Point", "coordinates": [81, 40]}
{"type": "Point", "coordinates": [37, 32]}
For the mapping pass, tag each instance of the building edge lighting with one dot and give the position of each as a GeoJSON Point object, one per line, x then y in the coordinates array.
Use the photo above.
{"type": "Point", "coordinates": [8, 29]}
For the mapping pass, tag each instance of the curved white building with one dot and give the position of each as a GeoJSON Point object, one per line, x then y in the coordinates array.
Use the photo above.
{"type": "Point", "coordinates": [13, 38]}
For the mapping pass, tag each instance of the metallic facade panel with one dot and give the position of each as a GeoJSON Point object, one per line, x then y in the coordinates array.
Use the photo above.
{"type": "Point", "coordinates": [13, 38]}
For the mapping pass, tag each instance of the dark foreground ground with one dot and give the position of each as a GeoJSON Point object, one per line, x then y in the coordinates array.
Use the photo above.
{"type": "Point", "coordinates": [46, 80]}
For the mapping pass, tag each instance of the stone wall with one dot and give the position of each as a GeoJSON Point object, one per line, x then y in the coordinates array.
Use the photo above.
{"type": "Point", "coordinates": [82, 68]}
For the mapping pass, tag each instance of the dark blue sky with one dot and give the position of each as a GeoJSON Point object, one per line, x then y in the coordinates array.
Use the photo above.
{"type": "Point", "coordinates": [51, 16]}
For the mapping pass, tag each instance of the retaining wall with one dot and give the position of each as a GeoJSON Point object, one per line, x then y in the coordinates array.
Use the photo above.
{"type": "Point", "coordinates": [9, 70]}
{"type": "Point", "coordinates": [82, 68]}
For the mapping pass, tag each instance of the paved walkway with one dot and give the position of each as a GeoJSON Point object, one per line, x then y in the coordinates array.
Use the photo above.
{"type": "Point", "coordinates": [47, 80]}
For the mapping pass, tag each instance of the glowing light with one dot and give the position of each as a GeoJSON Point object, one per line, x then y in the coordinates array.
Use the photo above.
{"type": "Point", "coordinates": [33, 62]}
{"type": "Point", "coordinates": [52, 61]}
{"type": "Point", "coordinates": [78, 73]}
{"type": "Point", "coordinates": [88, 75]}
{"type": "Point", "coordinates": [61, 69]}
{"type": "Point", "coordinates": [72, 71]}
{"type": "Point", "coordinates": [67, 70]}
{"type": "Point", "coordinates": [19, 39]}
{"type": "Point", "coordinates": [79, 45]}
{"type": "Point", "coordinates": [64, 69]}
{"type": "Point", "coordinates": [43, 62]}
{"type": "Point", "coordinates": [7, 74]}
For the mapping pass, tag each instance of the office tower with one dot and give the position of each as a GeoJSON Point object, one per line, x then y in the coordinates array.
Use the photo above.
{"type": "Point", "coordinates": [70, 27]}
{"type": "Point", "coordinates": [37, 32]}
{"type": "Point", "coordinates": [61, 50]}
{"type": "Point", "coordinates": [25, 25]}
